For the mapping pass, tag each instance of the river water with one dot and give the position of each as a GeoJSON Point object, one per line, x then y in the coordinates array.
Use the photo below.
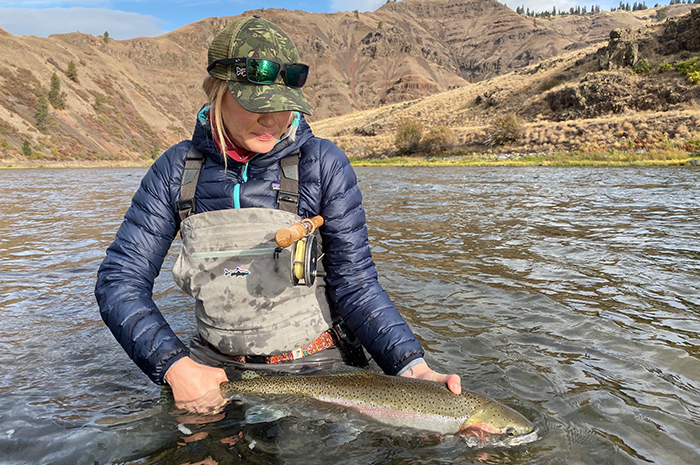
{"type": "Point", "coordinates": [570, 294]}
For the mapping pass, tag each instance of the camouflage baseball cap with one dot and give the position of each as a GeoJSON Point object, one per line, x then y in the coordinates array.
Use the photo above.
{"type": "Point", "coordinates": [255, 37]}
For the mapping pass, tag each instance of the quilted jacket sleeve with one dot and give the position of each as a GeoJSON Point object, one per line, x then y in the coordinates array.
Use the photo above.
{"type": "Point", "coordinates": [352, 277]}
{"type": "Point", "coordinates": [125, 277]}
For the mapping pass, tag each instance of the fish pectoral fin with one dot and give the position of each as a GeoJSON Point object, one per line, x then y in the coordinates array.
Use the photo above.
{"type": "Point", "coordinates": [474, 431]}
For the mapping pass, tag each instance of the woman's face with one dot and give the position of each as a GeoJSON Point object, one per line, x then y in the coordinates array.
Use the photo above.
{"type": "Point", "coordinates": [255, 132]}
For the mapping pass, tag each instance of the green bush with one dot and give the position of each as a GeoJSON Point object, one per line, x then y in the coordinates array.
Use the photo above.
{"type": "Point", "coordinates": [690, 69]}
{"type": "Point", "coordinates": [408, 135]}
{"type": "Point", "coordinates": [642, 67]}
{"type": "Point", "coordinates": [665, 67]}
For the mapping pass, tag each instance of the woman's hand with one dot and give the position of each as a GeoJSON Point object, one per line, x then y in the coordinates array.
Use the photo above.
{"type": "Point", "coordinates": [423, 371]}
{"type": "Point", "coordinates": [196, 387]}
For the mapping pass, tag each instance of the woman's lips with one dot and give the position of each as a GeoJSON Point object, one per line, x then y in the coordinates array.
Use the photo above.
{"type": "Point", "coordinates": [263, 136]}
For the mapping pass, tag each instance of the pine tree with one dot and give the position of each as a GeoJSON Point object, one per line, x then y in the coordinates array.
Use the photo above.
{"type": "Point", "coordinates": [26, 148]}
{"type": "Point", "coordinates": [72, 72]}
{"type": "Point", "coordinates": [56, 96]}
{"type": "Point", "coordinates": [105, 37]}
{"type": "Point", "coordinates": [42, 113]}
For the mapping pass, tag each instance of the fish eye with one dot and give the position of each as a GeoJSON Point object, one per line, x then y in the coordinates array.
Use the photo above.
{"type": "Point", "coordinates": [510, 431]}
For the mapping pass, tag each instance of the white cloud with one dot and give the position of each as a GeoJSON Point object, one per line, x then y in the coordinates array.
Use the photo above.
{"type": "Point", "coordinates": [95, 21]}
{"type": "Point", "coordinates": [359, 5]}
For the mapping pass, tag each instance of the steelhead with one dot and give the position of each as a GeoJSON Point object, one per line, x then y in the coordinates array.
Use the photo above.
{"type": "Point", "coordinates": [401, 402]}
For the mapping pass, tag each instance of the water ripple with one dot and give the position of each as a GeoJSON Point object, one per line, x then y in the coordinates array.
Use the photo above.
{"type": "Point", "coordinates": [570, 294]}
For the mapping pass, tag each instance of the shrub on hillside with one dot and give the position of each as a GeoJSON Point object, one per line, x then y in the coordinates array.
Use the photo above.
{"type": "Point", "coordinates": [505, 130]}
{"type": "Point", "coordinates": [438, 140]}
{"type": "Point", "coordinates": [408, 135]}
{"type": "Point", "coordinates": [642, 67]}
{"type": "Point", "coordinates": [665, 66]}
{"type": "Point", "coordinates": [690, 69]}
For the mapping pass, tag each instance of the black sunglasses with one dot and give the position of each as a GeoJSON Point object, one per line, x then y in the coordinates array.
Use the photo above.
{"type": "Point", "coordinates": [265, 71]}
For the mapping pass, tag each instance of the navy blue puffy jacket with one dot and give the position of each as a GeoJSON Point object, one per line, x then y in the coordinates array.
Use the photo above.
{"type": "Point", "coordinates": [327, 187]}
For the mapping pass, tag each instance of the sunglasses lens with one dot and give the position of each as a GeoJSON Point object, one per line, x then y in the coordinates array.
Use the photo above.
{"type": "Point", "coordinates": [295, 75]}
{"type": "Point", "coordinates": [262, 71]}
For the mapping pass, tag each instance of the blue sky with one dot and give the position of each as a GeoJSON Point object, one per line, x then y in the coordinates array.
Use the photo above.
{"type": "Point", "coordinates": [125, 19]}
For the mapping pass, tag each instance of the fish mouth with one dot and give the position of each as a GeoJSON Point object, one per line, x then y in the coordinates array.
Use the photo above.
{"type": "Point", "coordinates": [524, 439]}
{"type": "Point", "coordinates": [499, 440]}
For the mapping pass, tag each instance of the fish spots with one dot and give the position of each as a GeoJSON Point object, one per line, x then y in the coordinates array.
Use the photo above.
{"type": "Point", "coordinates": [396, 401]}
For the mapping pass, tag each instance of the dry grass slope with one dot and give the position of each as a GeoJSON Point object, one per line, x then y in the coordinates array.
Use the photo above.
{"type": "Point", "coordinates": [447, 63]}
{"type": "Point", "coordinates": [563, 104]}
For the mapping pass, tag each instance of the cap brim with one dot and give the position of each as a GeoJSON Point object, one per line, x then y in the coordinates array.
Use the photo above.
{"type": "Point", "coordinates": [269, 98]}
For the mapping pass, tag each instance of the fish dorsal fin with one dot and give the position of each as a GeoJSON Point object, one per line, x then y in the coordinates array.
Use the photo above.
{"type": "Point", "coordinates": [249, 374]}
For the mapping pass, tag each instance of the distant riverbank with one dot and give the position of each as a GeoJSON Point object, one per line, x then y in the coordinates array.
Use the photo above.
{"type": "Point", "coordinates": [41, 164]}
{"type": "Point", "coordinates": [612, 158]}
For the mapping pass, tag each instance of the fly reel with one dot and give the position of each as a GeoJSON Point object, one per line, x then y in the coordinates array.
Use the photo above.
{"type": "Point", "coordinates": [304, 257]}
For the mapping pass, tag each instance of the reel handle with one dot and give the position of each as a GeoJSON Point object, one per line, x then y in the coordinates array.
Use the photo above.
{"type": "Point", "coordinates": [286, 236]}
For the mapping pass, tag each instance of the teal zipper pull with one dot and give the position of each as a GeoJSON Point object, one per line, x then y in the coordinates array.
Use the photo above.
{"type": "Point", "coordinates": [237, 187]}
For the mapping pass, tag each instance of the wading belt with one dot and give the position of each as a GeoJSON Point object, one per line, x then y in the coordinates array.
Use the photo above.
{"type": "Point", "coordinates": [287, 196]}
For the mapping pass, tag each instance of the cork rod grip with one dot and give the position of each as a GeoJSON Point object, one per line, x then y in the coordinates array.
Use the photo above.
{"type": "Point", "coordinates": [286, 236]}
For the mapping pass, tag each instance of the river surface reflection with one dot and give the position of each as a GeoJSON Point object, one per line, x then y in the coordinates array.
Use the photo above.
{"type": "Point", "coordinates": [570, 294]}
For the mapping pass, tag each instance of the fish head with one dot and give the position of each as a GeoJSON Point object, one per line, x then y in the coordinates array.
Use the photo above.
{"type": "Point", "coordinates": [494, 424]}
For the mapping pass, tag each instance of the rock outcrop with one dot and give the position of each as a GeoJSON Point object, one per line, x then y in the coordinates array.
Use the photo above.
{"type": "Point", "coordinates": [622, 50]}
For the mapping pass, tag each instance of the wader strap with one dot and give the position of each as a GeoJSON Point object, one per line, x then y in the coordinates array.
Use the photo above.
{"type": "Point", "coordinates": [188, 186]}
{"type": "Point", "coordinates": [288, 195]}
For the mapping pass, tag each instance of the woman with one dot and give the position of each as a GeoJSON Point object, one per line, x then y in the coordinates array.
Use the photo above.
{"type": "Point", "coordinates": [251, 167]}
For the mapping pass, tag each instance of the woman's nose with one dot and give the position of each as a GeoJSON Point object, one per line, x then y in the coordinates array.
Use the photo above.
{"type": "Point", "coordinates": [267, 119]}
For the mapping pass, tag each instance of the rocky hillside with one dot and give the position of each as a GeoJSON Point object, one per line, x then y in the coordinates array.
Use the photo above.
{"type": "Point", "coordinates": [130, 99]}
{"type": "Point", "coordinates": [637, 92]}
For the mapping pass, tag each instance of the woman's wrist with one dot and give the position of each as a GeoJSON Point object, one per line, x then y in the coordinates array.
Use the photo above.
{"type": "Point", "coordinates": [410, 365]}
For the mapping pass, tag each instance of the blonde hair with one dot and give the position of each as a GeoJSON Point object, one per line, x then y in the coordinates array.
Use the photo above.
{"type": "Point", "coordinates": [216, 91]}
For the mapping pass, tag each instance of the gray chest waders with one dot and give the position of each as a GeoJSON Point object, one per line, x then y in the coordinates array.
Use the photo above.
{"type": "Point", "coordinates": [247, 302]}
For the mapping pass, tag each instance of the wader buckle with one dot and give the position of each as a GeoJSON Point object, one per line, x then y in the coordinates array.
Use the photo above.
{"type": "Point", "coordinates": [285, 196]}
{"type": "Point", "coordinates": [185, 205]}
